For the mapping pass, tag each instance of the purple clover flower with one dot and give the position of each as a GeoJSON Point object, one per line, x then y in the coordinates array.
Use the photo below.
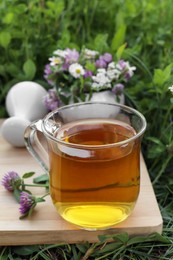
{"type": "Point", "coordinates": [47, 69]}
{"type": "Point", "coordinates": [118, 89]}
{"type": "Point", "coordinates": [127, 75]}
{"type": "Point", "coordinates": [65, 65]}
{"type": "Point", "coordinates": [9, 180]}
{"type": "Point", "coordinates": [26, 202]}
{"type": "Point", "coordinates": [71, 56]}
{"type": "Point", "coordinates": [47, 72]}
{"type": "Point", "coordinates": [107, 57]}
{"type": "Point", "coordinates": [103, 60]}
{"type": "Point", "coordinates": [122, 64]}
{"type": "Point", "coordinates": [101, 63]}
{"type": "Point", "coordinates": [126, 69]}
{"type": "Point", "coordinates": [51, 100]}
{"type": "Point", "coordinates": [88, 74]}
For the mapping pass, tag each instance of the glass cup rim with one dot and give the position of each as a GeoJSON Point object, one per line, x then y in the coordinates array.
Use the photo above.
{"type": "Point", "coordinates": [124, 107]}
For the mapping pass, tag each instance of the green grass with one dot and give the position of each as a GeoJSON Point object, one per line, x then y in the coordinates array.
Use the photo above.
{"type": "Point", "coordinates": [146, 26]}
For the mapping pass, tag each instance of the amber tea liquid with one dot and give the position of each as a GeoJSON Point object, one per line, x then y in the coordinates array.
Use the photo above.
{"type": "Point", "coordinates": [94, 183]}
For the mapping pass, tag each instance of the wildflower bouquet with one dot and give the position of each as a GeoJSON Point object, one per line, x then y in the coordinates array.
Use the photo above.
{"type": "Point", "coordinates": [74, 76]}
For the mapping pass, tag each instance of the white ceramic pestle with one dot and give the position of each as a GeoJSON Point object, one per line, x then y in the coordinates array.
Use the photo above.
{"type": "Point", "coordinates": [24, 104]}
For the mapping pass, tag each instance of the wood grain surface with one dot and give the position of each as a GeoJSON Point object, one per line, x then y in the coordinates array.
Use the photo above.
{"type": "Point", "coordinates": [45, 226]}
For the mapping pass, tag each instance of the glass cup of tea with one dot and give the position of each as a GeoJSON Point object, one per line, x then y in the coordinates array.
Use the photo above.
{"type": "Point", "coordinates": [93, 151]}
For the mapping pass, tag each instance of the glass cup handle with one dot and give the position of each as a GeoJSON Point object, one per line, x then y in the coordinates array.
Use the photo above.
{"type": "Point", "coordinates": [32, 136]}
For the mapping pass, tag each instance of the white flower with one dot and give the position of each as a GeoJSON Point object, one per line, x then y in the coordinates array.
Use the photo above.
{"type": "Point", "coordinates": [60, 53]}
{"type": "Point", "coordinates": [112, 72]}
{"type": "Point", "coordinates": [76, 70]}
{"type": "Point", "coordinates": [101, 71]}
{"type": "Point", "coordinates": [131, 70]}
{"type": "Point", "coordinates": [171, 88]}
{"type": "Point", "coordinates": [55, 61]}
{"type": "Point", "coordinates": [125, 66]}
{"type": "Point", "coordinates": [101, 80]}
{"type": "Point", "coordinates": [97, 86]}
{"type": "Point", "coordinates": [111, 65]}
{"type": "Point", "coordinates": [90, 54]}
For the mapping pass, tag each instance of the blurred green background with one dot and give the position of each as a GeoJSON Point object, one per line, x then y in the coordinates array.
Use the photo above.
{"type": "Point", "coordinates": [31, 30]}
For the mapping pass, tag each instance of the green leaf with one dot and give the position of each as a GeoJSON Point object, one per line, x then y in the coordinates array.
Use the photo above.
{"type": "Point", "coordinates": [5, 39]}
{"type": "Point", "coordinates": [64, 41]}
{"type": "Point", "coordinates": [156, 151]}
{"type": "Point", "coordinates": [90, 66]}
{"type": "Point", "coordinates": [171, 100]}
{"type": "Point", "coordinates": [83, 247]}
{"type": "Point", "coordinates": [29, 68]}
{"type": "Point", "coordinates": [37, 200]}
{"type": "Point", "coordinates": [155, 140]}
{"type": "Point", "coordinates": [123, 237]}
{"type": "Point", "coordinates": [28, 175]}
{"type": "Point", "coordinates": [12, 69]}
{"type": "Point", "coordinates": [120, 15]}
{"type": "Point", "coordinates": [44, 178]}
{"type": "Point", "coordinates": [118, 38]}
{"type": "Point", "coordinates": [120, 51]}
{"type": "Point", "coordinates": [74, 252]}
{"type": "Point", "coordinates": [167, 72]}
{"type": "Point", "coordinates": [157, 147]}
{"type": "Point", "coordinates": [162, 76]}
{"type": "Point", "coordinates": [100, 42]}
{"type": "Point", "coordinates": [8, 18]}
{"type": "Point", "coordinates": [21, 8]}
{"type": "Point", "coordinates": [151, 238]}
{"type": "Point", "coordinates": [56, 6]}
{"type": "Point", "coordinates": [110, 247]}
{"type": "Point", "coordinates": [32, 208]}
{"type": "Point", "coordinates": [26, 250]}
{"type": "Point", "coordinates": [158, 77]}
{"type": "Point", "coordinates": [8, 256]}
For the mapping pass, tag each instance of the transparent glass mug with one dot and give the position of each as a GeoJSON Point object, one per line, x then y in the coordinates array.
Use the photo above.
{"type": "Point", "coordinates": [94, 161]}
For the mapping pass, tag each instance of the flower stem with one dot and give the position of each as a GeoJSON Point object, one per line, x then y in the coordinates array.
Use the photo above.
{"type": "Point", "coordinates": [48, 193]}
{"type": "Point", "coordinates": [37, 185]}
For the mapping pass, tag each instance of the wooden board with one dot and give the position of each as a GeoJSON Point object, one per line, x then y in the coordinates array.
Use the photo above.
{"type": "Point", "coordinates": [45, 226]}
